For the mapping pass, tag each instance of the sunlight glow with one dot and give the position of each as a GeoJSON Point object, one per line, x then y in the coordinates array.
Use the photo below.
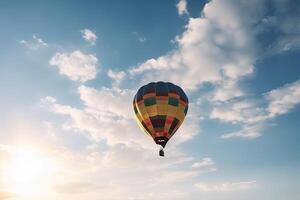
{"type": "Point", "coordinates": [29, 172]}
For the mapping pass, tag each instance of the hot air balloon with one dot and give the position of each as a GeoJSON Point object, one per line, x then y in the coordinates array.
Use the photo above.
{"type": "Point", "coordinates": [160, 108]}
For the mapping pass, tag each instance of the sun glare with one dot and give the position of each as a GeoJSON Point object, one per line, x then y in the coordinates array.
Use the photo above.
{"type": "Point", "coordinates": [29, 172]}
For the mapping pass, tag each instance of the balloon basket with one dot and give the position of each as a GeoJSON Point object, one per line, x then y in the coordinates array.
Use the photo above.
{"type": "Point", "coordinates": [161, 153]}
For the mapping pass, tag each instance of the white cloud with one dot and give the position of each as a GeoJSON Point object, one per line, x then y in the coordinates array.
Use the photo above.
{"type": "Point", "coordinates": [220, 48]}
{"type": "Point", "coordinates": [111, 100]}
{"type": "Point", "coordinates": [116, 76]}
{"type": "Point", "coordinates": [223, 39]}
{"type": "Point", "coordinates": [108, 115]}
{"type": "Point", "coordinates": [182, 7]}
{"type": "Point", "coordinates": [117, 164]}
{"type": "Point", "coordinates": [205, 165]}
{"type": "Point", "coordinates": [35, 44]}
{"type": "Point", "coordinates": [283, 99]}
{"type": "Point", "coordinates": [216, 48]}
{"type": "Point", "coordinates": [251, 116]}
{"type": "Point", "coordinates": [220, 45]}
{"type": "Point", "coordinates": [254, 117]}
{"type": "Point", "coordinates": [76, 65]}
{"type": "Point", "coordinates": [226, 187]}
{"type": "Point", "coordinates": [89, 36]}
{"type": "Point", "coordinates": [248, 132]}
{"type": "Point", "coordinates": [227, 90]}
{"type": "Point", "coordinates": [239, 111]}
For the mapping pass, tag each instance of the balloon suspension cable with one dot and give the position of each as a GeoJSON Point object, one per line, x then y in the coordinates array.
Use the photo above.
{"type": "Point", "coordinates": [161, 152]}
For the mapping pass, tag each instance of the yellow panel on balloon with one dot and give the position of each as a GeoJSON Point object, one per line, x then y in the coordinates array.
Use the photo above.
{"type": "Point", "coordinates": [172, 110]}
{"type": "Point", "coordinates": [162, 109]}
{"type": "Point", "coordinates": [180, 115]}
{"type": "Point", "coordinates": [151, 110]}
{"type": "Point", "coordinates": [142, 110]}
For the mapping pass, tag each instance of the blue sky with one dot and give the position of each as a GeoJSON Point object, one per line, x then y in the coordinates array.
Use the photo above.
{"type": "Point", "coordinates": [69, 71]}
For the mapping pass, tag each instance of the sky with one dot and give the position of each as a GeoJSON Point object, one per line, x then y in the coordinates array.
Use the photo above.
{"type": "Point", "coordinates": [69, 71]}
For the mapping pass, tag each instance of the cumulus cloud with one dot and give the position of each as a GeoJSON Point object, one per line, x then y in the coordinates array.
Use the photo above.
{"type": "Point", "coordinates": [76, 65]}
{"type": "Point", "coordinates": [182, 7]}
{"type": "Point", "coordinates": [213, 47]}
{"type": "Point", "coordinates": [108, 115]}
{"type": "Point", "coordinates": [217, 48]}
{"type": "Point", "coordinates": [35, 44]}
{"type": "Point", "coordinates": [89, 36]}
{"type": "Point", "coordinates": [220, 48]}
{"type": "Point", "coordinates": [226, 187]}
{"type": "Point", "coordinates": [227, 90]}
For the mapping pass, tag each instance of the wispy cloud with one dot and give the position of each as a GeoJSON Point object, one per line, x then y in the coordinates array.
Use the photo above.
{"type": "Point", "coordinates": [139, 37]}
{"type": "Point", "coordinates": [226, 187]}
{"type": "Point", "coordinates": [255, 117]}
{"type": "Point", "coordinates": [283, 99]}
{"type": "Point", "coordinates": [34, 44]}
{"type": "Point", "coordinates": [76, 65]}
{"type": "Point", "coordinates": [89, 36]}
{"type": "Point", "coordinates": [116, 76]}
{"type": "Point", "coordinates": [247, 131]}
{"type": "Point", "coordinates": [205, 165]}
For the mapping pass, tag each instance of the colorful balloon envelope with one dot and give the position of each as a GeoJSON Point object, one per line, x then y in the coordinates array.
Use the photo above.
{"type": "Point", "coordinates": [160, 108]}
